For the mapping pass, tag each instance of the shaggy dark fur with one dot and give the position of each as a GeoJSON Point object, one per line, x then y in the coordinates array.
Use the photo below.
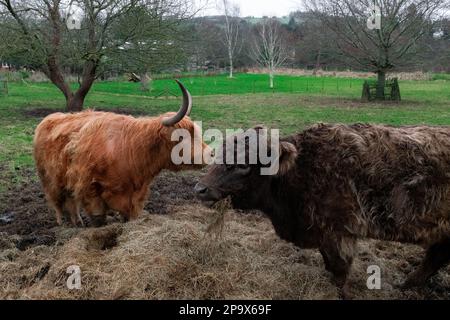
{"type": "Point", "coordinates": [339, 183]}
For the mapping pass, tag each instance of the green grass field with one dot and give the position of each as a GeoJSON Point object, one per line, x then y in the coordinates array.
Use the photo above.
{"type": "Point", "coordinates": [248, 83]}
{"type": "Point", "coordinates": [227, 103]}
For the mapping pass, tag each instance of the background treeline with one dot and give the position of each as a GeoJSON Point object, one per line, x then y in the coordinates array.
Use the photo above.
{"type": "Point", "coordinates": [312, 43]}
{"type": "Point", "coordinates": [143, 38]}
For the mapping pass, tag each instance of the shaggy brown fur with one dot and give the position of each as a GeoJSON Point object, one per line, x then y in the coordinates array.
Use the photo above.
{"type": "Point", "coordinates": [104, 161]}
{"type": "Point", "coordinates": [350, 182]}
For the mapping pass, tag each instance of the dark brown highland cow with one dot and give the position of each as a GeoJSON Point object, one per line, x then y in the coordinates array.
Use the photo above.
{"type": "Point", "coordinates": [339, 183]}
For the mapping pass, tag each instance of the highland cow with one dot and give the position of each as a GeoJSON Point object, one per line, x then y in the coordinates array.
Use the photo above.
{"type": "Point", "coordinates": [105, 162]}
{"type": "Point", "coordinates": [340, 183]}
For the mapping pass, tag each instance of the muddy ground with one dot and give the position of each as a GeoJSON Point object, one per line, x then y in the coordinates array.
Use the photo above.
{"type": "Point", "coordinates": [44, 112]}
{"type": "Point", "coordinates": [25, 215]}
{"type": "Point", "coordinates": [167, 255]}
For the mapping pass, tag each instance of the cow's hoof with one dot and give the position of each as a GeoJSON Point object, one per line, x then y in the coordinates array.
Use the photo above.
{"type": "Point", "coordinates": [413, 281]}
{"type": "Point", "coordinates": [345, 294]}
{"type": "Point", "coordinates": [98, 221]}
{"type": "Point", "coordinates": [59, 221]}
{"type": "Point", "coordinates": [77, 222]}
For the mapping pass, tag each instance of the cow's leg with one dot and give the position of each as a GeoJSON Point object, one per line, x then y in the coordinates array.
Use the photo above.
{"type": "Point", "coordinates": [437, 256]}
{"type": "Point", "coordinates": [138, 201]}
{"type": "Point", "coordinates": [73, 208]}
{"type": "Point", "coordinates": [326, 260]}
{"type": "Point", "coordinates": [135, 204]}
{"type": "Point", "coordinates": [133, 212]}
{"type": "Point", "coordinates": [338, 253]}
{"type": "Point", "coordinates": [55, 201]}
{"type": "Point", "coordinates": [58, 212]}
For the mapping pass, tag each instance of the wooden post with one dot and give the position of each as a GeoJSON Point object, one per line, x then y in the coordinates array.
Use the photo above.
{"type": "Point", "coordinates": [395, 91]}
{"type": "Point", "coordinates": [366, 92]}
{"type": "Point", "coordinates": [4, 87]}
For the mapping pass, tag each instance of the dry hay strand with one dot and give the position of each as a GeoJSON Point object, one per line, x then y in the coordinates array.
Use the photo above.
{"type": "Point", "coordinates": [217, 220]}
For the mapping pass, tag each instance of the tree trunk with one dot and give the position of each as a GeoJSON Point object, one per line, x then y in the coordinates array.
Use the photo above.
{"type": "Point", "coordinates": [231, 64]}
{"type": "Point", "coordinates": [75, 103]}
{"type": "Point", "coordinates": [145, 82]}
{"type": "Point", "coordinates": [381, 85]}
{"type": "Point", "coordinates": [271, 76]}
{"type": "Point", "coordinates": [319, 55]}
{"type": "Point", "coordinates": [74, 100]}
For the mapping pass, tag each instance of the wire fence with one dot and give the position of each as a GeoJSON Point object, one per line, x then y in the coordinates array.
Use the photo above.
{"type": "Point", "coordinates": [165, 87]}
{"type": "Point", "coordinates": [203, 87]}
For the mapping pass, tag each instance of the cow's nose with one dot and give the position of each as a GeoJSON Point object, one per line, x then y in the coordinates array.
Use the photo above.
{"type": "Point", "coordinates": [200, 188]}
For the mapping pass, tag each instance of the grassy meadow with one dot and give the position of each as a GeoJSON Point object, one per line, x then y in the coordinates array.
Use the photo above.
{"type": "Point", "coordinates": [226, 103]}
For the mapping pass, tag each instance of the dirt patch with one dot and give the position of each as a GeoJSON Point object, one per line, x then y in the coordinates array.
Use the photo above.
{"type": "Point", "coordinates": [24, 214]}
{"type": "Point", "coordinates": [44, 112]}
{"type": "Point", "coordinates": [39, 112]}
{"type": "Point", "coordinates": [170, 190]}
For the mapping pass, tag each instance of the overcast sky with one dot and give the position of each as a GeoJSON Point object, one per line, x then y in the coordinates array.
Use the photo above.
{"type": "Point", "coordinates": [258, 8]}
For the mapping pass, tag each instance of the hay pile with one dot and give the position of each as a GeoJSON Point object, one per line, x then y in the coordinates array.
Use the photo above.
{"type": "Point", "coordinates": [171, 257]}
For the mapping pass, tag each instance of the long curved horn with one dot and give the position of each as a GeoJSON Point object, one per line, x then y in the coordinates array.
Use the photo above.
{"type": "Point", "coordinates": [185, 109]}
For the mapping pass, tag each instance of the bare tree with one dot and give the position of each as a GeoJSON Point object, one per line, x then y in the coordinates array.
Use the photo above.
{"type": "Point", "coordinates": [39, 28]}
{"type": "Point", "coordinates": [231, 31]}
{"type": "Point", "coordinates": [270, 49]}
{"type": "Point", "coordinates": [158, 43]}
{"type": "Point", "coordinates": [391, 45]}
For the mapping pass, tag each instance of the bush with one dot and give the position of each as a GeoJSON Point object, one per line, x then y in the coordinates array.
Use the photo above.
{"type": "Point", "coordinates": [441, 76]}
{"type": "Point", "coordinates": [24, 74]}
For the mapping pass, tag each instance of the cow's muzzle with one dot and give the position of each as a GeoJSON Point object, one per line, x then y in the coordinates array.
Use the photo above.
{"type": "Point", "coordinates": [207, 194]}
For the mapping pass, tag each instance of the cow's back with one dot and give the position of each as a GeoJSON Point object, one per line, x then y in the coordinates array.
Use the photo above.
{"type": "Point", "coordinates": [51, 137]}
{"type": "Point", "coordinates": [397, 178]}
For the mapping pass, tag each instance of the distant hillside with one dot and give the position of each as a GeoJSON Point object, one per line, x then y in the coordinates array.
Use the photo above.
{"type": "Point", "coordinates": [299, 17]}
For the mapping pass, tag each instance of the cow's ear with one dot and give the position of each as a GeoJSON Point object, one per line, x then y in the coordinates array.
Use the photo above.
{"type": "Point", "coordinates": [288, 156]}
